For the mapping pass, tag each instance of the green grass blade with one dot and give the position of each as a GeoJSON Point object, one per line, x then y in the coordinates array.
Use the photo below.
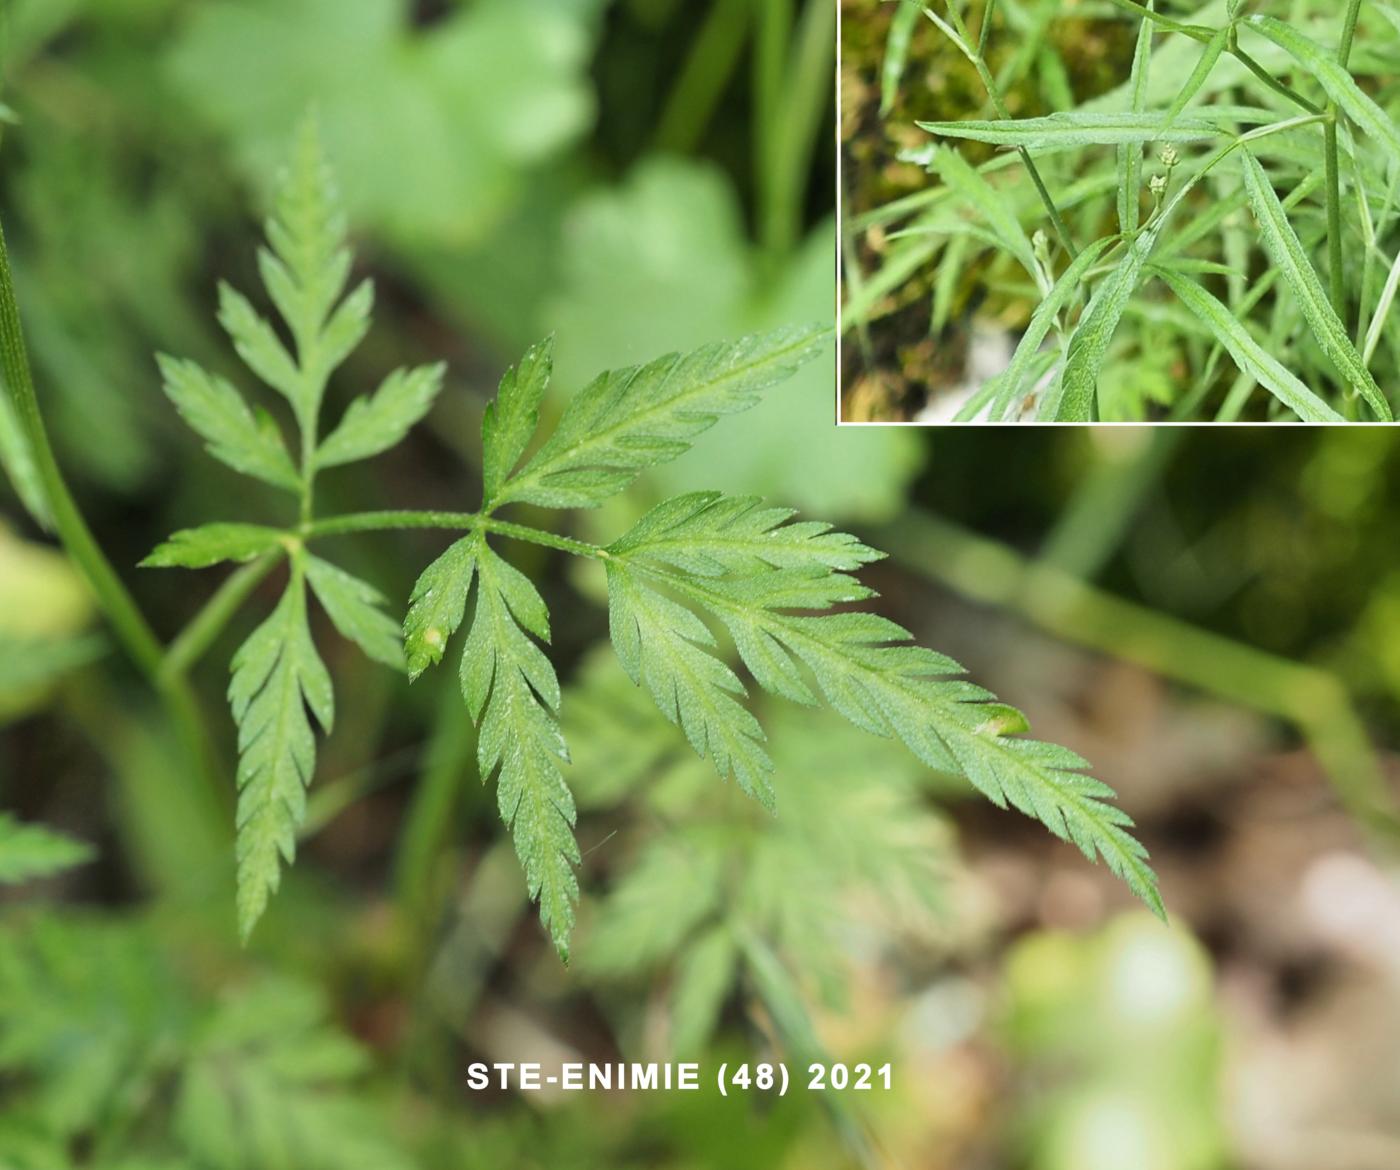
{"type": "Point", "coordinates": [989, 203]}
{"type": "Point", "coordinates": [1288, 255]}
{"type": "Point", "coordinates": [897, 53]}
{"type": "Point", "coordinates": [1022, 361]}
{"type": "Point", "coordinates": [1209, 56]}
{"type": "Point", "coordinates": [1249, 355]}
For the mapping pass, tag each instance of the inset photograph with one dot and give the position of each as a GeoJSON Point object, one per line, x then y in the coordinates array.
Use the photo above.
{"type": "Point", "coordinates": [1119, 212]}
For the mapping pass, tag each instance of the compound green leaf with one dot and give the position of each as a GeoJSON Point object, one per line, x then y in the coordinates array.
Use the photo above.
{"type": "Point", "coordinates": [356, 609]}
{"type": "Point", "coordinates": [628, 420]}
{"type": "Point", "coordinates": [1291, 259]}
{"type": "Point", "coordinates": [211, 544]}
{"type": "Point", "coordinates": [868, 669]}
{"type": "Point", "coordinates": [373, 424]}
{"type": "Point", "coordinates": [218, 414]}
{"type": "Point", "coordinates": [276, 676]}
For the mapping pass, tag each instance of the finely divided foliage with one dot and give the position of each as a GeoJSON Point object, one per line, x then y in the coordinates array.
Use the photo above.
{"type": "Point", "coordinates": [1308, 124]}
{"type": "Point", "coordinates": [693, 567]}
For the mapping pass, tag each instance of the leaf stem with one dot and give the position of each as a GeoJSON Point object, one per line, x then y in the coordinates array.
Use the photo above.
{"type": "Point", "coordinates": [201, 631]}
{"type": "Point", "coordinates": [460, 521]}
{"type": "Point", "coordinates": [1335, 284]}
{"type": "Point", "coordinates": [979, 63]}
{"type": "Point", "coordinates": [129, 625]}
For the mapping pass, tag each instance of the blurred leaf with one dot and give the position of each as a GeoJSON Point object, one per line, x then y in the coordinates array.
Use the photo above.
{"type": "Point", "coordinates": [267, 1085]}
{"type": "Point", "coordinates": [31, 851]}
{"type": "Point", "coordinates": [430, 130]}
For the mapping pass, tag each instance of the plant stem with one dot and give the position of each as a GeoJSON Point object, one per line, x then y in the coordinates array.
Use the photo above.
{"type": "Point", "coordinates": [129, 625]}
{"type": "Point", "coordinates": [1273, 82]}
{"type": "Point", "coordinates": [994, 94]}
{"type": "Point", "coordinates": [460, 521]}
{"type": "Point", "coordinates": [1348, 32]}
{"type": "Point", "coordinates": [201, 631]}
{"type": "Point", "coordinates": [1336, 285]}
{"type": "Point", "coordinates": [706, 74]}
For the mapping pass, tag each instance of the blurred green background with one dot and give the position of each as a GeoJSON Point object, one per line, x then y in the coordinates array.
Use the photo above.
{"type": "Point", "coordinates": [1211, 618]}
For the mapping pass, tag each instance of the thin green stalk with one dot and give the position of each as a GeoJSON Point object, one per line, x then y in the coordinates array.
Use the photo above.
{"type": "Point", "coordinates": [132, 631]}
{"type": "Point", "coordinates": [1348, 32]}
{"type": "Point", "coordinates": [128, 624]}
{"type": "Point", "coordinates": [979, 63]}
{"type": "Point", "coordinates": [1273, 82]}
{"type": "Point", "coordinates": [461, 521]}
{"type": "Point", "coordinates": [1335, 286]}
{"type": "Point", "coordinates": [706, 74]}
{"type": "Point", "coordinates": [772, 33]}
{"type": "Point", "coordinates": [427, 826]}
{"type": "Point", "coordinates": [202, 630]}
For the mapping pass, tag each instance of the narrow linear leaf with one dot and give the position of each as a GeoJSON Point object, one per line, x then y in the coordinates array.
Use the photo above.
{"type": "Point", "coordinates": [276, 676]}
{"type": "Point", "coordinates": [512, 693]}
{"type": "Point", "coordinates": [1197, 78]}
{"type": "Point", "coordinates": [1251, 357]}
{"type": "Point", "coordinates": [218, 414]}
{"type": "Point", "coordinates": [1016, 379]}
{"type": "Point", "coordinates": [211, 544]}
{"type": "Point", "coordinates": [705, 974]}
{"type": "Point", "coordinates": [510, 421]}
{"type": "Point", "coordinates": [355, 608]}
{"type": "Point", "coordinates": [372, 425]}
{"type": "Point", "coordinates": [34, 851]}
{"type": "Point", "coordinates": [989, 203]}
{"type": "Point", "coordinates": [1290, 258]}
{"type": "Point", "coordinates": [897, 44]}
{"type": "Point", "coordinates": [1079, 129]}
{"type": "Point", "coordinates": [628, 420]}
{"type": "Point", "coordinates": [1322, 65]}
{"type": "Point", "coordinates": [1074, 396]}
